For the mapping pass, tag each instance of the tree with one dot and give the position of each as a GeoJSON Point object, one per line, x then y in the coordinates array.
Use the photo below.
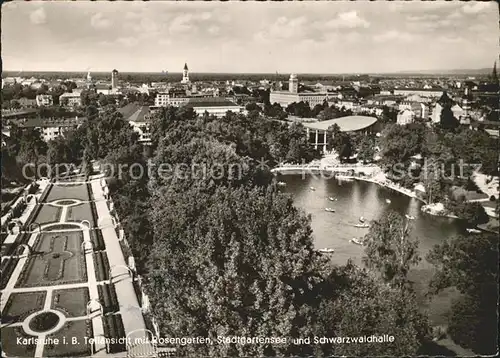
{"type": "Point", "coordinates": [472, 267]}
{"type": "Point", "coordinates": [252, 107]}
{"type": "Point", "coordinates": [472, 212]}
{"type": "Point", "coordinates": [32, 149]}
{"type": "Point", "coordinates": [366, 150]}
{"type": "Point", "coordinates": [240, 262]}
{"type": "Point", "coordinates": [448, 120]}
{"type": "Point", "coordinates": [389, 250]}
{"type": "Point", "coordinates": [339, 141]}
{"type": "Point", "coordinates": [354, 303]}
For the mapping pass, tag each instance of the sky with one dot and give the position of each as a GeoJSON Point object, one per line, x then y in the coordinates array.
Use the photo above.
{"type": "Point", "coordinates": [259, 37]}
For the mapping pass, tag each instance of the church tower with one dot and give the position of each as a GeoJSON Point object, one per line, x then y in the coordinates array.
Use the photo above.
{"type": "Point", "coordinates": [185, 74]}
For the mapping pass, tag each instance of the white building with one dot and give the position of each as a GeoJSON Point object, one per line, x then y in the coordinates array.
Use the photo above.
{"type": "Point", "coordinates": [44, 100]}
{"type": "Point", "coordinates": [405, 116]}
{"type": "Point", "coordinates": [214, 107]}
{"type": "Point", "coordinates": [164, 99]}
{"type": "Point", "coordinates": [50, 128]}
{"type": "Point", "coordinates": [285, 98]}
{"type": "Point", "coordinates": [458, 113]}
{"type": "Point", "coordinates": [70, 99]}
{"type": "Point", "coordinates": [423, 92]}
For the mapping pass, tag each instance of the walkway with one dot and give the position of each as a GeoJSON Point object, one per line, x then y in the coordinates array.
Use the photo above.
{"type": "Point", "coordinates": [133, 320]}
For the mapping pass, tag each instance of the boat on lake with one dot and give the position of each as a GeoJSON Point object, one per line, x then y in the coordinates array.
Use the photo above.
{"type": "Point", "coordinates": [312, 188]}
{"type": "Point", "coordinates": [357, 241]}
{"type": "Point", "coordinates": [332, 198]}
{"type": "Point", "coordinates": [362, 226]}
{"type": "Point", "coordinates": [330, 210]}
{"type": "Point", "coordinates": [473, 231]}
{"type": "Point", "coordinates": [388, 201]}
{"type": "Point", "coordinates": [327, 251]}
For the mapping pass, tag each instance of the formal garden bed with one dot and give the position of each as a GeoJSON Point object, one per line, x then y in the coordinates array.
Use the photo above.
{"type": "Point", "coordinates": [101, 266]}
{"type": "Point", "coordinates": [76, 330]}
{"type": "Point", "coordinates": [108, 298]}
{"type": "Point", "coordinates": [44, 322]}
{"type": "Point", "coordinates": [113, 328]}
{"type": "Point", "coordinates": [68, 191]}
{"type": "Point", "coordinates": [10, 346]}
{"type": "Point", "coordinates": [66, 202]}
{"type": "Point", "coordinates": [72, 302]}
{"type": "Point", "coordinates": [48, 214]}
{"type": "Point", "coordinates": [80, 212]}
{"type": "Point", "coordinates": [57, 260]}
{"type": "Point", "coordinates": [21, 304]}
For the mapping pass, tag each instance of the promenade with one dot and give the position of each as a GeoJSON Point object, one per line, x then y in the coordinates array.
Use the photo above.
{"type": "Point", "coordinates": [120, 273]}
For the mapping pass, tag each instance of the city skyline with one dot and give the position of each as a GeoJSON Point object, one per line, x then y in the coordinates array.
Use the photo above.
{"type": "Point", "coordinates": [319, 37]}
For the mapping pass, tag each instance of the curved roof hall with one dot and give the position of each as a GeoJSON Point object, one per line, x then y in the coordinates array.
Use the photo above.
{"type": "Point", "coordinates": [346, 124]}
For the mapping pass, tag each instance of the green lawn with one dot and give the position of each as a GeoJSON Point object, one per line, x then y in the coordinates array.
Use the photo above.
{"type": "Point", "coordinates": [10, 346]}
{"type": "Point", "coordinates": [79, 213]}
{"type": "Point", "coordinates": [72, 302]}
{"type": "Point", "coordinates": [74, 333]}
{"type": "Point", "coordinates": [48, 214]}
{"type": "Point", "coordinates": [21, 305]}
{"type": "Point", "coordinates": [76, 191]}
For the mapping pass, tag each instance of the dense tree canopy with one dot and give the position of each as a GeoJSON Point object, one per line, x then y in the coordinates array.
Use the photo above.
{"type": "Point", "coordinates": [470, 265]}
{"type": "Point", "coordinates": [389, 250]}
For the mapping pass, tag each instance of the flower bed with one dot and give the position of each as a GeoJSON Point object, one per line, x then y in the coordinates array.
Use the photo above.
{"type": "Point", "coordinates": [44, 322]}
{"type": "Point", "coordinates": [38, 271]}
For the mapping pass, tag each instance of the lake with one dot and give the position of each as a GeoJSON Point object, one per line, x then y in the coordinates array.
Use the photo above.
{"type": "Point", "coordinates": [358, 198]}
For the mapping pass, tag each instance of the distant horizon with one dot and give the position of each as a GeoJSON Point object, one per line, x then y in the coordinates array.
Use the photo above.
{"type": "Point", "coordinates": [436, 71]}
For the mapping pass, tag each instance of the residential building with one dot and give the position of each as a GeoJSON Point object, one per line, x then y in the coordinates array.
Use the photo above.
{"type": "Point", "coordinates": [458, 113]}
{"type": "Point", "coordinates": [423, 92]}
{"type": "Point", "coordinates": [44, 100]}
{"type": "Point", "coordinates": [70, 99]}
{"type": "Point", "coordinates": [50, 128]}
{"type": "Point", "coordinates": [165, 99]}
{"type": "Point", "coordinates": [139, 117]}
{"type": "Point", "coordinates": [216, 106]}
{"type": "Point", "coordinates": [405, 116]}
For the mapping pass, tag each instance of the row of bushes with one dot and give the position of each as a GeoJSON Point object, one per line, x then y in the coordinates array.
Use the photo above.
{"type": "Point", "coordinates": [8, 266]}
{"type": "Point", "coordinates": [108, 298]}
{"type": "Point", "coordinates": [113, 328]}
{"type": "Point", "coordinates": [101, 266]}
{"type": "Point", "coordinates": [97, 240]}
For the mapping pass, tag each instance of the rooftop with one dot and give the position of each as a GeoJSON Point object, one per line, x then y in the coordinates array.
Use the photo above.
{"type": "Point", "coordinates": [210, 102]}
{"type": "Point", "coordinates": [134, 112]}
{"type": "Point", "coordinates": [50, 122]}
{"type": "Point", "coordinates": [346, 124]}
